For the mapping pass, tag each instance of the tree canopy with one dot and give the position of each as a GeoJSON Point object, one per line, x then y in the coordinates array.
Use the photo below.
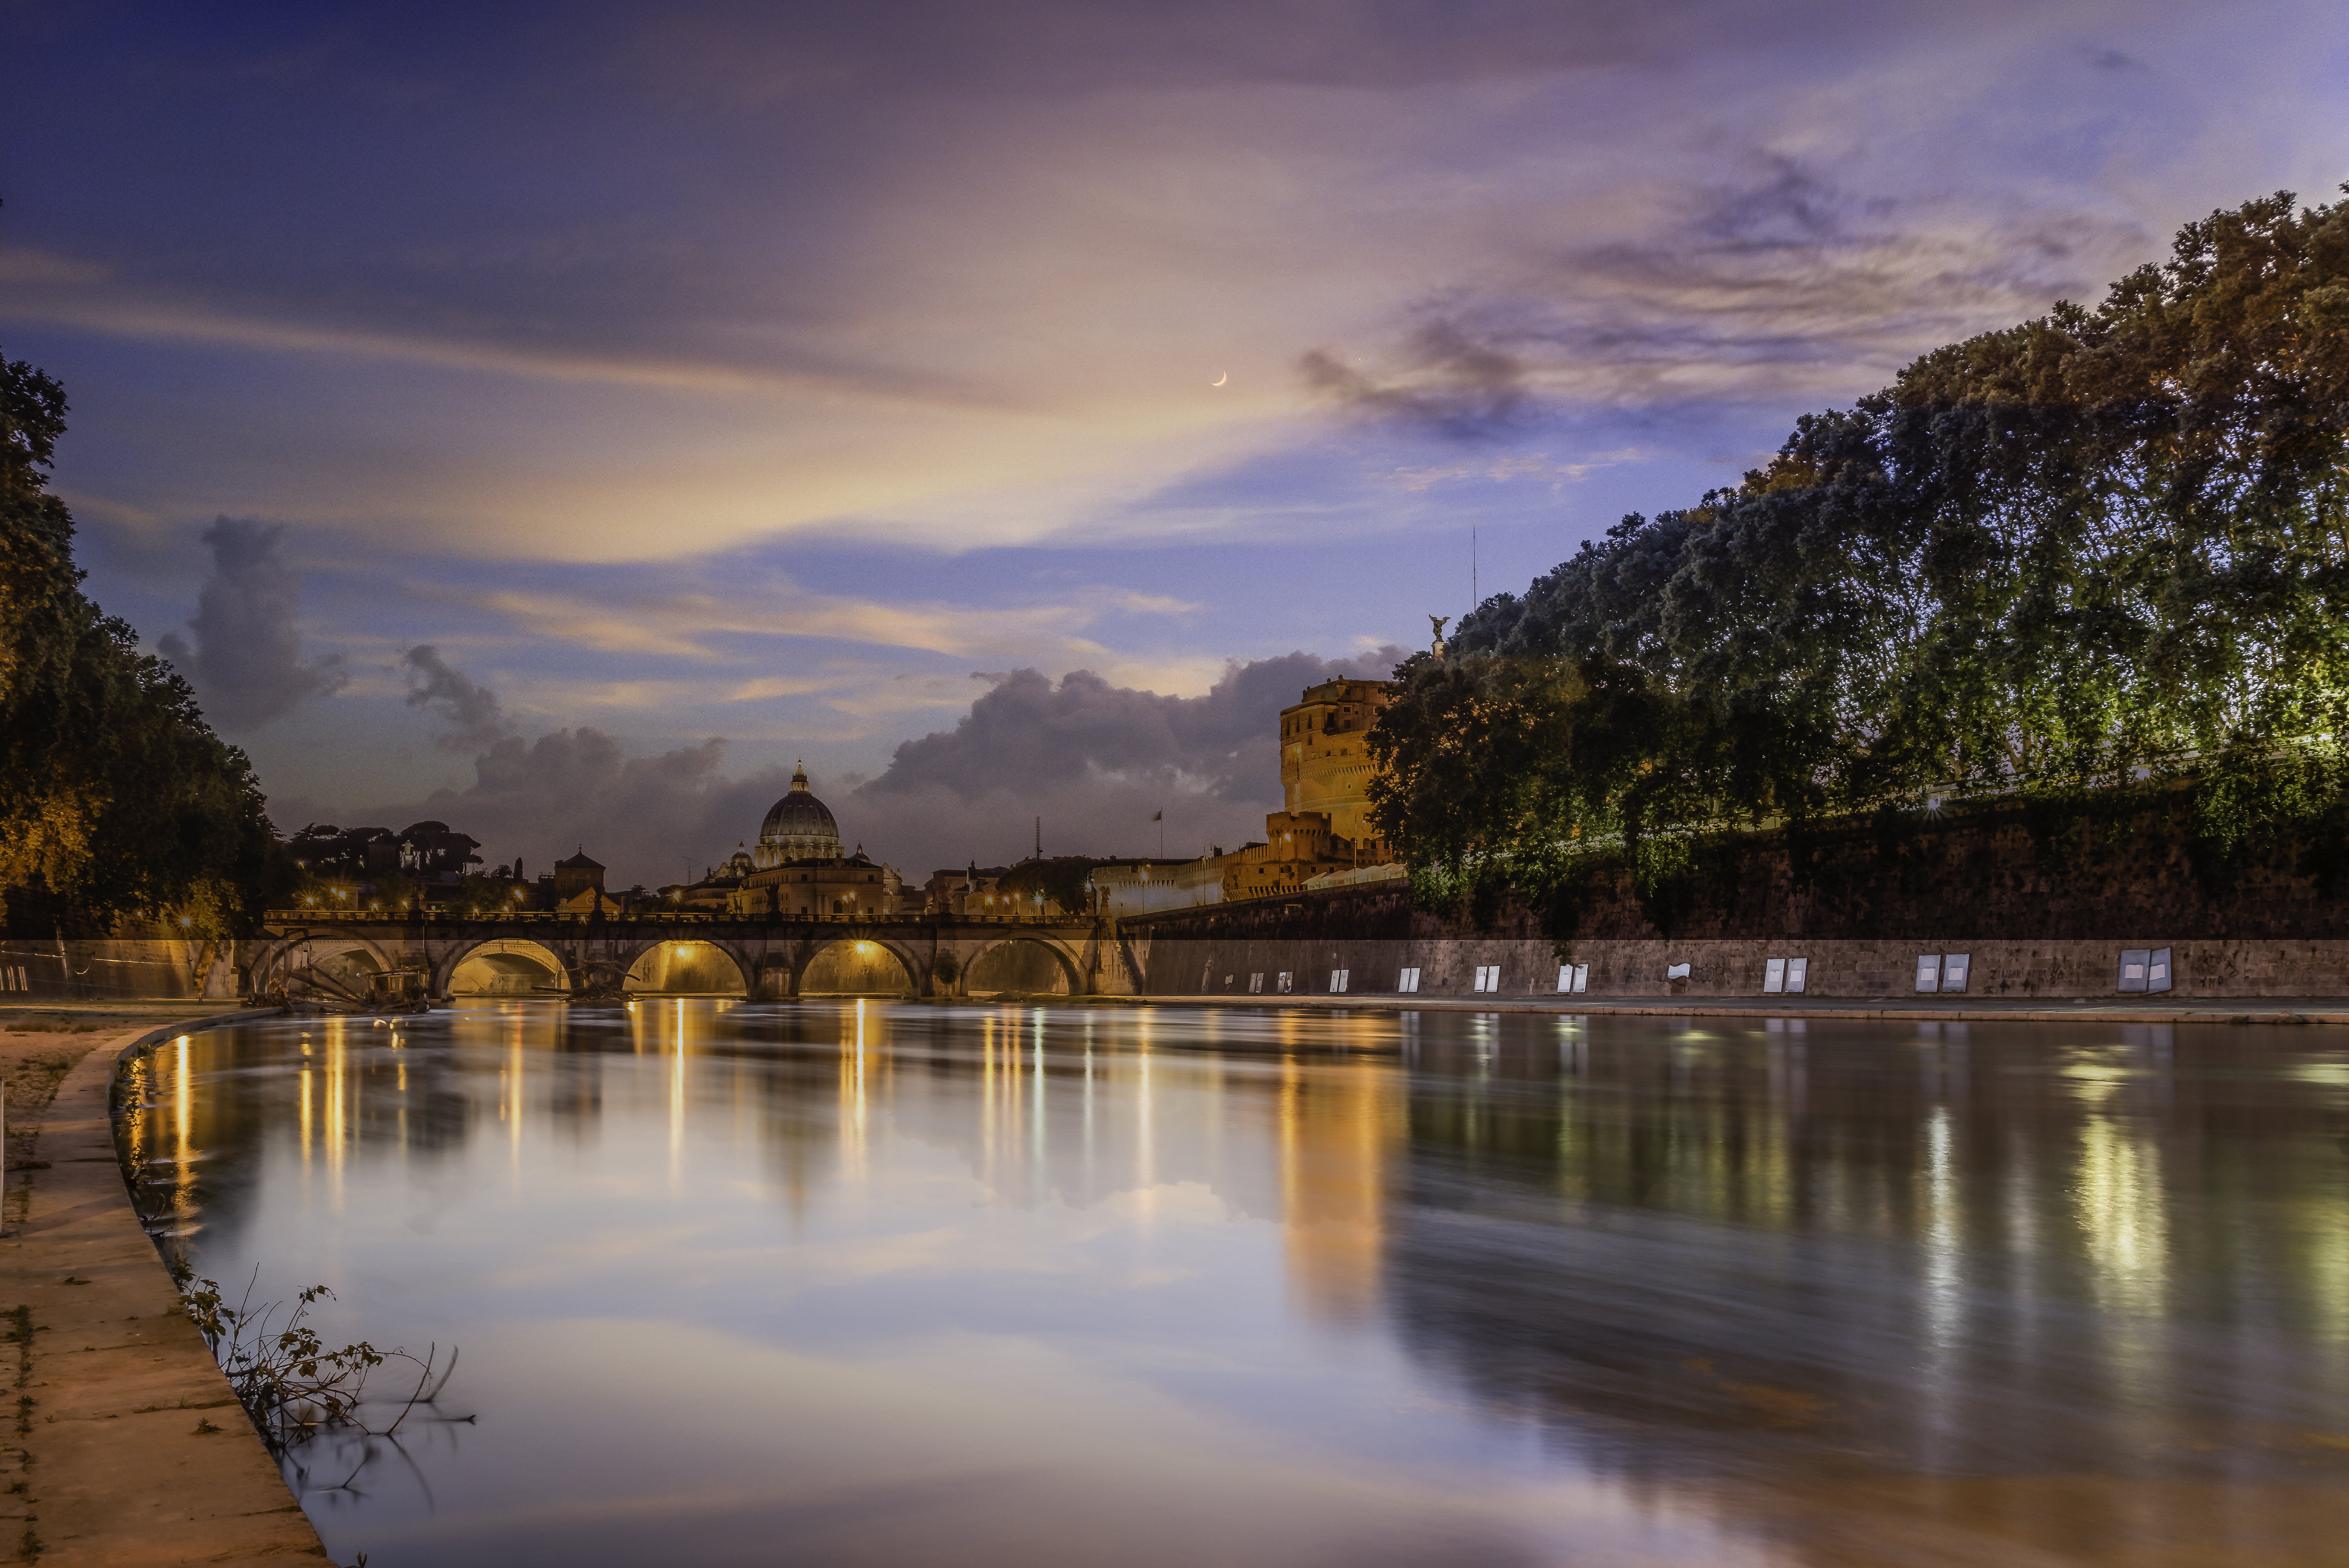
{"type": "Point", "coordinates": [114, 794]}
{"type": "Point", "coordinates": [2095, 551]}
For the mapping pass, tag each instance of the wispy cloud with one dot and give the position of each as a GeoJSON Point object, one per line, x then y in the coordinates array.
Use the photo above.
{"type": "Point", "coordinates": [65, 291]}
{"type": "Point", "coordinates": [689, 624]}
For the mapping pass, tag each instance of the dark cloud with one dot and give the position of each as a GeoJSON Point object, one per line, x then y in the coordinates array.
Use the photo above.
{"type": "Point", "coordinates": [1095, 760]}
{"type": "Point", "coordinates": [1455, 384]}
{"type": "Point", "coordinates": [643, 817]}
{"type": "Point", "coordinates": [245, 661]}
{"type": "Point", "coordinates": [1756, 287]}
{"type": "Point", "coordinates": [1028, 733]}
{"type": "Point", "coordinates": [469, 709]}
{"type": "Point", "coordinates": [1092, 760]}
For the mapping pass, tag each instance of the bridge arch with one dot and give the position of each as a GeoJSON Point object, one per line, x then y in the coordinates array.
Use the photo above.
{"type": "Point", "coordinates": [504, 966]}
{"type": "Point", "coordinates": [336, 949]}
{"type": "Point", "coordinates": [684, 967]}
{"type": "Point", "coordinates": [1026, 961]}
{"type": "Point", "coordinates": [860, 964]}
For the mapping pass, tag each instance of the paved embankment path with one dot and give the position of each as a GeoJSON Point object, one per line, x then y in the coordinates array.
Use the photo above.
{"type": "Point", "coordinates": [2026, 1010]}
{"type": "Point", "coordinates": [124, 1439]}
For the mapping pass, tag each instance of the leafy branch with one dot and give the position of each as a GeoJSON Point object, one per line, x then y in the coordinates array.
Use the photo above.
{"type": "Point", "coordinates": [292, 1385]}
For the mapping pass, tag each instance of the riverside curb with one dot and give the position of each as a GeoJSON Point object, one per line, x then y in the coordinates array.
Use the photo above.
{"type": "Point", "coordinates": [135, 1450]}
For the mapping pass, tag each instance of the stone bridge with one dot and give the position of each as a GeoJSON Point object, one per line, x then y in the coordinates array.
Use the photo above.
{"type": "Point", "coordinates": [771, 957]}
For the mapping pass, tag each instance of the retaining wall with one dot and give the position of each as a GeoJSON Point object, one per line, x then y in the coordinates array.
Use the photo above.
{"type": "Point", "coordinates": [2041, 911]}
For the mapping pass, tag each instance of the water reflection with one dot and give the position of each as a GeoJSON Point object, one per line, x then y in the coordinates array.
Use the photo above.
{"type": "Point", "coordinates": [875, 1282]}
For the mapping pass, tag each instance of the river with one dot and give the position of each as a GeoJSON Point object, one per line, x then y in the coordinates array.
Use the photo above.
{"type": "Point", "coordinates": [906, 1284]}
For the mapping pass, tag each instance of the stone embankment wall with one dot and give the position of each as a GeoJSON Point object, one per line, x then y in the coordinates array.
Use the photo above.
{"type": "Point", "coordinates": [50, 951]}
{"type": "Point", "coordinates": [115, 969]}
{"type": "Point", "coordinates": [2039, 915]}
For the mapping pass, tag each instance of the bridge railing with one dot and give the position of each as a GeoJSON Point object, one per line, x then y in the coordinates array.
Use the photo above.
{"type": "Point", "coordinates": [651, 915]}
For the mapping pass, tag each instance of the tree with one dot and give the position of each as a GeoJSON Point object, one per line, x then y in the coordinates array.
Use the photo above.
{"type": "Point", "coordinates": [114, 794]}
{"type": "Point", "coordinates": [2100, 551]}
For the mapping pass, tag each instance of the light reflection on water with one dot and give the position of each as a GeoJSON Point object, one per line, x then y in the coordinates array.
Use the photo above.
{"type": "Point", "coordinates": [910, 1284]}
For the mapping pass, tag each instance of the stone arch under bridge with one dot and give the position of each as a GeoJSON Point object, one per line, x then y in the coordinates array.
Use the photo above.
{"type": "Point", "coordinates": [504, 966]}
{"type": "Point", "coordinates": [860, 964]}
{"type": "Point", "coordinates": [1017, 960]}
{"type": "Point", "coordinates": [691, 966]}
{"type": "Point", "coordinates": [282, 958]}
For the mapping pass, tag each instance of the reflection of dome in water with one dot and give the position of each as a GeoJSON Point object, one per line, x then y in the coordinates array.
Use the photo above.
{"type": "Point", "coordinates": [799, 827]}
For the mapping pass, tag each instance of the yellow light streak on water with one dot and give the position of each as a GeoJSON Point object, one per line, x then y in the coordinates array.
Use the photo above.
{"type": "Point", "coordinates": [183, 1092]}
{"type": "Point", "coordinates": [677, 1104]}
{"type": "Point", "coordinates": [338, 1048]}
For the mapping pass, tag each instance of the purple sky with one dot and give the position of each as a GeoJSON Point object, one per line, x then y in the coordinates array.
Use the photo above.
{"type": "Point", "coordinates": [792, 375]}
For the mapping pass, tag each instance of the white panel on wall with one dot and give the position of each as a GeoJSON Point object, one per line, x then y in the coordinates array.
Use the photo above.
{"type": "Point", "coordinates": [2157, 970]}
{"type": "Point", "coordinates": [1796, 969]}
{"type": "Point", "coordinates": [1955, 968]}
{"type": "Point", "coordinates": [1581, 978]}
{"type": "Point", "coordinates": [1676, 970]}
{"type": "Point", "coordinates": [1774, 976]}
{"type": "Point", "coordinates": [1408, 982]}
{"type": "Point", "coordinates": [1928, 972]}
{"type": "Point", "coordinates": [2135, 961]}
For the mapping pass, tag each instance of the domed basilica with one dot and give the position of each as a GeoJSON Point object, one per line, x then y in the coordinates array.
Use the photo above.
{"type": "Point", "coordinates": [797, 867]}
{"type": "Point", "coordinates": [799, 827]}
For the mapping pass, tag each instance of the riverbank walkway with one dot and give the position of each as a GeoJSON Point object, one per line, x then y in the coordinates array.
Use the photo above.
{"type": "Point", "coordinates": [1947, 1009]}
{"type": "Point", "coordinates": [125, 1446]}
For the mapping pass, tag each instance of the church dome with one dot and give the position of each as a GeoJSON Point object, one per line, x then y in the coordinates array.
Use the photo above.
{"type": "Point", "coordinates": [799, 827]}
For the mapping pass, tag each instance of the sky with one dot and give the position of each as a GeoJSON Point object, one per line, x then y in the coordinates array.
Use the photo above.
{"type": "Point", "coordinates": [558, 420]}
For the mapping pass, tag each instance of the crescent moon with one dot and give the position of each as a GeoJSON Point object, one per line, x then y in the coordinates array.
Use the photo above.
{"type": "Point", "coordinates": [1219, 380]}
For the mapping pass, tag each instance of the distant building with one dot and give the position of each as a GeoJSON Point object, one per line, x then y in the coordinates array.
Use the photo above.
{"type": "Point", "coordinates": [1322, 831]}
{"type": "Point", "coordinates": [578, 887]}
{"type": "Point", "coordinates": [1142, 885]}
{"type": "Point", "coordinates": [1301, 845]}
{"type": "Point", "coordinates": [970, 891]}
{"type": "Point", "coordinates": [714, 894]}
{"type": "Point", "coordinates": [797, 867]}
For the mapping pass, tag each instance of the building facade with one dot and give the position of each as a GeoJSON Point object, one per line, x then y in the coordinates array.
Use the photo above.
{"type": "Point", "coordinates": [1325, 765]}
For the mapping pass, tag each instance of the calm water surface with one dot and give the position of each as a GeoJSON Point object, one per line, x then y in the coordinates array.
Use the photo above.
{"type": "Point", "coordinates": [906, 1284]}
